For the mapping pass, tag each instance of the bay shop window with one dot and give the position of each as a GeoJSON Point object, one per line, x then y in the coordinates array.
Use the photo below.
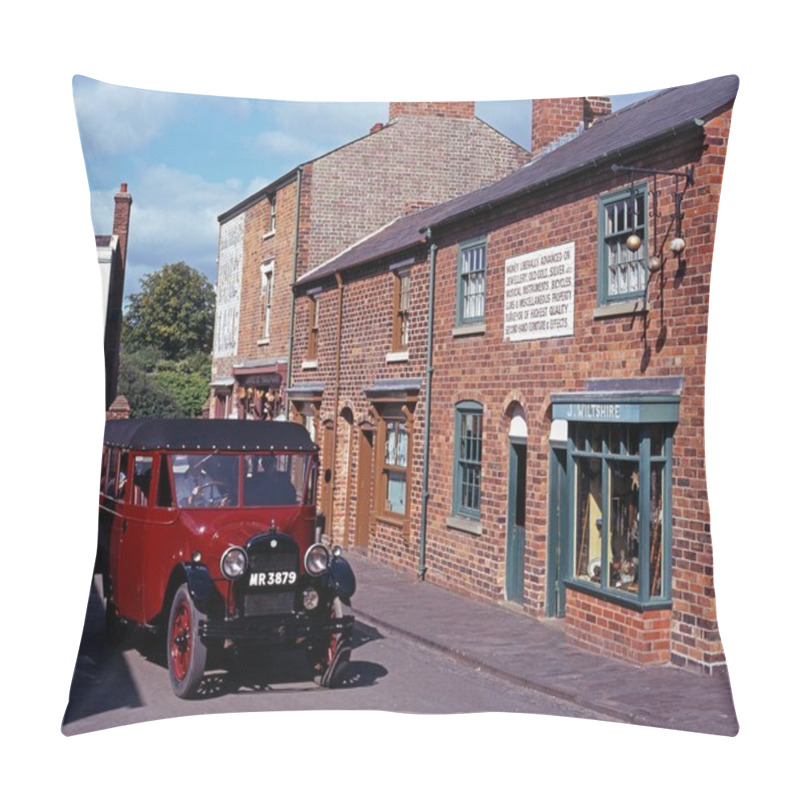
{"type": "Point", "coordinates": [617, 535]}
{"type": "Point", "coordinates": [620, 493]}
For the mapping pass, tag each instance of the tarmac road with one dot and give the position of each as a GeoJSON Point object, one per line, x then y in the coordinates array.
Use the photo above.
{"type": "Point", "coordinates": [388, 672]}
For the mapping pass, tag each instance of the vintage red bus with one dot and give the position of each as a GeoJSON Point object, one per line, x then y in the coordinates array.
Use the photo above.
{"type": "Point", "coordinates": [207, 534]}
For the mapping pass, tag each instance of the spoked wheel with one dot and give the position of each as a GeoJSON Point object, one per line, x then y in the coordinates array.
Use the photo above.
{"type": "Point", "coordinates": [186, 653]}
{"type": "Point", "coordinates": [337, 652]}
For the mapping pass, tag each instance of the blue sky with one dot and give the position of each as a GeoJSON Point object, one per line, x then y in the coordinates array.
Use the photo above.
{"type": "Point", "coordinates": [187, 158]}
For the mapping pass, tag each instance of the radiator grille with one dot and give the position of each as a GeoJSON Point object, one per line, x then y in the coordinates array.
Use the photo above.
{"type": "Point", "coordinates": [257, 605]}
{"type": "Point", "coordinates": [262, 562]}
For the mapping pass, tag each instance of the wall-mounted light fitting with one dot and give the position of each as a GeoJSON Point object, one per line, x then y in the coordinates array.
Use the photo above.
{"type": "Point", "coordinates": [678, 244]}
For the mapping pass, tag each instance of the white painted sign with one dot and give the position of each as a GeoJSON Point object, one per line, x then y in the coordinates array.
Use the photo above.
{"type": "Point", "coordinates": [540, 294]}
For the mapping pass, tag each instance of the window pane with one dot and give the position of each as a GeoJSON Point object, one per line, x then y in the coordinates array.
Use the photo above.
{"type": "Point", "coordinates": [623, 538]}
{"type": "Point", "coordinates": [402, 444]}
{"type": "Point", "coordinates": [656, 529]}
{"type": "Point", "coordinates": [588, 518]}
{"type": "Point", "coordinates": [468, 470]}
{"type": "Point", "coordinates": [390, 455]}
{"type": "Point", "coordinates": [274, 480]}
{"type": "Point", "coordinates": [396, 493]}
{"type": "Point", "coordinates": [142, 472]}
{"type": "Point", "coordinates": [204, 481]}
{"type": "Point", "coordinates": [473, 282]}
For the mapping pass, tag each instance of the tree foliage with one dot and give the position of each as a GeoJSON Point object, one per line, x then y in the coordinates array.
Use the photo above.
{"type": "Point", "coordinates": [173, 312]}
{"type": "Point", "coordinates": [165, 361]}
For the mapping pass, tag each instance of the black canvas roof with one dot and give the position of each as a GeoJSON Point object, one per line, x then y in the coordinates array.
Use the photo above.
{"type": "Point", "coordinates": [208, 434]}
{"type": "Point", "coordinates": [662, 114]}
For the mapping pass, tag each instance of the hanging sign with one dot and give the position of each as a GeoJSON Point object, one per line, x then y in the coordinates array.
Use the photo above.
{"type": "Point", "coordinates": [540, 294]}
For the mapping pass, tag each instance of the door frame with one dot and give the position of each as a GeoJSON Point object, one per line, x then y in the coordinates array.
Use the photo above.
{"type": "Point", "coordinates": [559, 526]}
{"type": "Point", "coordinates": [515, 539]}
{"type": "Point", "coordinates": [364, 480]}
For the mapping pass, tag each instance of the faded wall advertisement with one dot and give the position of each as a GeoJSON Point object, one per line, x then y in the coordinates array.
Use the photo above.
{"type": "Point", "coordinates": [540, 294]}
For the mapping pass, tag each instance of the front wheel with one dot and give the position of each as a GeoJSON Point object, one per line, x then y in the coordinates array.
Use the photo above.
{"type": "Point", "coordinates": [337, 652]}
{"type": "Point", "coordinates": [186, 653]}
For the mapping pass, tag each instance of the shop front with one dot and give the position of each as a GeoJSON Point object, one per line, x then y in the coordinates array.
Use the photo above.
{"type": "Point", "coordinates": [259, 391]}
{"type": "Point", "coordinates": [610, 515]}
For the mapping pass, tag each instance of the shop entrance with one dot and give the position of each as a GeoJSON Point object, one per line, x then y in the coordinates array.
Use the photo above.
{"type": "Point", "coordinates": [515, 531]}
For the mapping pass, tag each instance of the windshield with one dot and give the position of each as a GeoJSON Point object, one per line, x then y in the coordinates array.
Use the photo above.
{"type": "Point", "coordinates": [216, 481]}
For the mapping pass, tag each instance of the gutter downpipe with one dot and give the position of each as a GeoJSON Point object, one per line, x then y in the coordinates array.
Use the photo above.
{"type": "Point", "coordinates": [294, 278]}
{"type": "Point", "coordinates": [340, 288]}
{"type": "Point", "coordinates": [429, 372]}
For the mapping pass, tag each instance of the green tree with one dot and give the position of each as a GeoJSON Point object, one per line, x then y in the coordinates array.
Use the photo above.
{"type": "Point", "coordinates": [173, 312]}
{"type": "Point", "coordinates": [165, 360]}
{"type": "Point", "coordinates": [146, 396]}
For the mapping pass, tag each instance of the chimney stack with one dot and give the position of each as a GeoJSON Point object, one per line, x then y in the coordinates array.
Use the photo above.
{"type": "Point", "coordinates": [558, 117]}
{"type": "Point", "coordinates": [463, 110]}
{"type": "Point", "coordinates": [122, 219]}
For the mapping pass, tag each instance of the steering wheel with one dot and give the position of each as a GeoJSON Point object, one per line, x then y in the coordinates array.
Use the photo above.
{"type": "Point", "coordinates": [209, 501]}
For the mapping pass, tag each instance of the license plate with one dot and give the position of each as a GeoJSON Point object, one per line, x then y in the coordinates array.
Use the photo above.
{"type": "Point", "coordinates": [272, 579]}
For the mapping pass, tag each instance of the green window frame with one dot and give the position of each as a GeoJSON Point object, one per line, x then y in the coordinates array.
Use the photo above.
{"type": "Point", "coordinates": [622, 274]}
{"type": "Point", "coordinates": [622, 532]}
{"type": "Point", "coordinates": [468, 460]}
{"type": "Point", "coordinates": [471, 293]}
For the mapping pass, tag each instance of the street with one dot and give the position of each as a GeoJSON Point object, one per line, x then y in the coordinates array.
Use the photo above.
{"type": "Point", "coordinates": [126, 685]}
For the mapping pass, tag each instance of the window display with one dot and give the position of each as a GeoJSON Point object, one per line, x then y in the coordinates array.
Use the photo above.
{"type": "Point", "coordinates": [620, 490]}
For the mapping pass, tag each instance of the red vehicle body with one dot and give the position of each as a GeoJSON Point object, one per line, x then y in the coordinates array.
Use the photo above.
{"type": "Point", "coordinates": [207, 533]}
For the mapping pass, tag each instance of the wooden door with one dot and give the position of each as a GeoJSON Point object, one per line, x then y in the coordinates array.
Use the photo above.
{"type": "Point", "coordinates": [364, 482]}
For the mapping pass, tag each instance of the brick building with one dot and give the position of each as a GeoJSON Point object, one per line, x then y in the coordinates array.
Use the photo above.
{"type": "Point", "coordinates": [510, 384]}
{"type": "Point", "coordinates": [425, 153]}
{"type": "Point", "coordinates": [112, 252]}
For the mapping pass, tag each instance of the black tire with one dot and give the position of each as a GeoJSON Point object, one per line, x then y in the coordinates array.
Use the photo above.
{"type": "Point", "coordinates": [186, 653]}
{"type": "Point", "coordinates": [337, 653]}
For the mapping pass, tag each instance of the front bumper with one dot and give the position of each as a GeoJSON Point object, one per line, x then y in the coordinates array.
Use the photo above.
{"type": "Point", "coordinates": [284, 629]}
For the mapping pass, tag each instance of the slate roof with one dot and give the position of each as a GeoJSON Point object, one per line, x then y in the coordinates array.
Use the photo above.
{"type": "Point", "coordinates": [659, 115]}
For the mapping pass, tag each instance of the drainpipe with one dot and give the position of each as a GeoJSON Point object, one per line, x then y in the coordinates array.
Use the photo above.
{"type": "Point", "coordinates": [429, 372]}
{"type": "Point", "coordinates": [294, 278]}
{"type": "Point", "coordinates": [340, 286]}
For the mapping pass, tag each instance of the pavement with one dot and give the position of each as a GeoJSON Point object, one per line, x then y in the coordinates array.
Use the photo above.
{"type": "Point", "coordinates": [529, 652]}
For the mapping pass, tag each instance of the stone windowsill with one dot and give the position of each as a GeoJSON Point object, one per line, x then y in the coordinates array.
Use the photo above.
{"type": "Point", "coordinates": [262, 342]}
{"type": "Point", "coordinates": [475, 329]}
{"type": "Point", "coordinates": [621, 309]}
{"type": "Point", "coordinates": [472, 526]}
{"type": "Point", "coordinates": [309, 364]}
{"type": "Point", "coordinates": [396, 356]}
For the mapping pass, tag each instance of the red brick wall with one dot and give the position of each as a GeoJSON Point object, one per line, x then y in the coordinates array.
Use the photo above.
{"type": "Point", "coordinates": [278, 247]}
{"type": "Point", "coordinates": [464, 110]}
{"type": "Point", "coordinates": [365, 341]}
{"type": "Point", "coordinates": [417, 159]}
{"type": "Point", "coordinates": [556, 117]}
{"type": "Point", "coordinates": [595, 624]}
{"type": "Point", "coordinates": [496, 373]}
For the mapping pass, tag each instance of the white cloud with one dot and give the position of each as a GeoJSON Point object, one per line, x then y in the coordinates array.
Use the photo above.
{"type": "Point", "coordinates": [307, 130]}
{"type": "Point", "coordinates": [173, 218]}
{"type": "Point", "coordinates": [117, 119]}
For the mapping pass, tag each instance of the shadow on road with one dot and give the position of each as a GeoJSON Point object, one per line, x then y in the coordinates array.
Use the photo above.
{"type": "Point", "coordinates": [289, 671]}
{"type": "Point", "coordinates": [101, 681]}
